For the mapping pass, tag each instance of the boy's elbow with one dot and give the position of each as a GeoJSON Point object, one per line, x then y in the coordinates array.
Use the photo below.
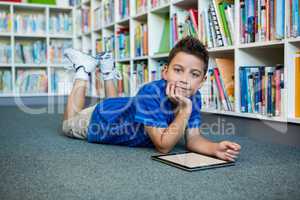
{"type": "Point", "coordinates": [163, 150]}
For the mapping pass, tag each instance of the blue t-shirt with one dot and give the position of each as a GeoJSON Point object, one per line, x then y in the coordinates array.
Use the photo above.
{"type": "Point", "coordinates": [121, 120]}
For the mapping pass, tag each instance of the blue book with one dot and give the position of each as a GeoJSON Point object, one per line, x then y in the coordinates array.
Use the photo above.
{"type": "Point", "coordinates": [242, 92]}
{"type": "Point", "coordinates": [280, 13]}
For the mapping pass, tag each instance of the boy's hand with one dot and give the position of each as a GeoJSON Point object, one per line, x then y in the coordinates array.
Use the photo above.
{"type": "Point", "coordinates": [227, 150]}
{"type": "Point", "coordinates": [178, 92]}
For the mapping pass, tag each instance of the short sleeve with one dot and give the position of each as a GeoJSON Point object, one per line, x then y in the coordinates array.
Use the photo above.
{"type": "Point", "coordinates": [148, 107]}
{"type": "Point", "coordinates": [195, 118]}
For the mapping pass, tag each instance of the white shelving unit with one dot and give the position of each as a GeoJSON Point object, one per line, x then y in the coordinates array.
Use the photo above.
{"type": "Point", "coordinates": [267, 53]}
{"type": "Point", "coordinates": [47, 36]}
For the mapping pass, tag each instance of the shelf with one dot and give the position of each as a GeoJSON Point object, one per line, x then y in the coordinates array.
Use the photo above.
{"type": "Point", "coordinates": [31, 95]}
{"type": "Point", "coordinates": [292, 40]}
{"type": "Point", "coordinates": [124, 21]}
{"type": "Point", "coordinates": [5, 65]}
{"type": "Point", "coordinates": [26, 35]}
{"type": "Point", "coordinates": [30, 65]}
{"type": "Point", "coordinates": [262, 44]}
{"type": "Point", "coordinates": [141, 58]}
{"type": "Point", "coordinates": [5, 34]}
{"type": "Point", "coordinates": [59, 65]}
{"type": "Point", "coordinates": [158, 56]}
{"type": "Point", "coordinates": [246, 115]}
{"type": "Point", "coordinates": [186, 3]}
{"type": "Point", "coordinates": [109, 26]}
{"type": "Point", "coordinates": [220, 49]}
{"type": "Point", "coordinates": [294, 120]}
{"type": "Point", "coordinates": [161, 9]}
{"type": "Point", "coordinates": [140, 17]}
{"type": "Point", "coordinates": [60, 36]}
{"type": "Point", "coordinates": [123, 60]}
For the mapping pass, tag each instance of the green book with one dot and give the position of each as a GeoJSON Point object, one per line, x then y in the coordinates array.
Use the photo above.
{"type": "Point", "coordinates": [49, 2]}
{"type": "Point", "coordinates": [164, 46]}
{"type": "Point", "coordinates": [224, 22]}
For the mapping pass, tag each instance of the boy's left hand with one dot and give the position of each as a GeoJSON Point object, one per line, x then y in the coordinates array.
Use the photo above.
{"type": "Point", "coordinates": [227, 150]}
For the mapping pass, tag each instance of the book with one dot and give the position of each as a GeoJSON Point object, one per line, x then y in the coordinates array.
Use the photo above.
{"type": "Point", "coordinates": [31, 81]}
{"type": "Point", "coordinates": [108, 12]}
{"type": "Point", "coordinates": [123, 9]}
{"type": "Point", "coordinates": [164, 44]}
{"type": "Point", "coordinates": [29, 52]}
{"type": "Point", "coordinates": [297, 84]}
{"type": "Point", "coordinates": [141, 6]}
{"type": "Point", "coordinates": [5, 52]}
{"type": "Point", "coordinates": [123, 42]}
{"type": "Point", "coordinates": [30, 23]}
{"type": "Point", "coordinates": [141, 39]}
{"type": "Point", "coordinates": [157, 3]}
{"type": "Point", "coordinates": [5, 80]}
{"type": "Point", "coordinates": [5, 21]}
{"type": "Point", "coordinates": [60, 23]}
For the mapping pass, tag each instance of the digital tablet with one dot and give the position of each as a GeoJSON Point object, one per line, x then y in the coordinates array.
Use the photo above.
{"type": "Point", "coordinates": [190, 161]}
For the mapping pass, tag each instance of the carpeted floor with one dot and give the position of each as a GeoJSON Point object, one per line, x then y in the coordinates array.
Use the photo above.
{"type": "Point", "coordinates": [36, 162]}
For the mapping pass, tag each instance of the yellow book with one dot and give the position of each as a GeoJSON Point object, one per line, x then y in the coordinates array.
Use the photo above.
{"type": "Point", "coordinates": [297, 85]}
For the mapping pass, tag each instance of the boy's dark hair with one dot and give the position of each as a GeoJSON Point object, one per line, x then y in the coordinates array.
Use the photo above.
{"type": "Point", "coordinates": [193, 46]}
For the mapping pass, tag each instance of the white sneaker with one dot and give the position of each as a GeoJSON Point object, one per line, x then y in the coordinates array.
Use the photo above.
{"type": "Point", "coordinates": [81, 60]}
{"type": "Point", "coordinates": [107, 66]}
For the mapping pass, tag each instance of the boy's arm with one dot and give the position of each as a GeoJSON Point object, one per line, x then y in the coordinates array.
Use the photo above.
{"type": "Point", "coordinates": [225, 150]}
{"type": "Point", "coordinates": [164, 139]}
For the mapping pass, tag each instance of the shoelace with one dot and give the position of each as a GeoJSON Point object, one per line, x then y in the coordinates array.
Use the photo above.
{"type": "Point", "coordinates": [115, 74]}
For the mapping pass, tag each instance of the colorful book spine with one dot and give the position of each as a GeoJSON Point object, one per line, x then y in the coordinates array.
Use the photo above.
{"type": "Point", "coordinates": [297, 85]}
{"type": "Point", "coordinates": [97, 16]}
{"type": "Point", "coordinates": [141, 40]}
{"type": "Point", "coordinates": [29, 23]}
{"type": "Point", "coordinates": [123, 43]}
{"type": "Point", "coordinates": [108, 11]}
{"type": "Point", "coordinates": [157, 3]}
{"type": "Point", "coordinates": [99, 45]}
{"type": "Point", "coordinates": [5, 52]}
{"type": "Point", "coordinates": [56, 50]}
{"type": "Point", "coordinates": [123, 9]}
{"type": "Point", "coordinates": [109, 43]}
{"type": "Point", "coordinates": [86, 20]}
{"type": "Point", "coordinates": [140, 71]}
{"type": "Point", "coordinates": [5, 21]}
{"type": "Point", "coordinates": [141, 6]}
{"type": "Point", "coordinates": [5, 80]}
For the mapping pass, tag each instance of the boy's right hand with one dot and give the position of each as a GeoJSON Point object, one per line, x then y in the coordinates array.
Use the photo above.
{"type": "Point", "coordinates": [178, 94]}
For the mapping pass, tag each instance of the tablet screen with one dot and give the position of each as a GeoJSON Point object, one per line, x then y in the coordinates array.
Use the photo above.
{"type": "Point", "coordinates": [192, 160]}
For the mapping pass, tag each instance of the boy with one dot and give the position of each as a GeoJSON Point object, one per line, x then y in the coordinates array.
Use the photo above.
{"type": "Point", "coordinates": [160, 113]}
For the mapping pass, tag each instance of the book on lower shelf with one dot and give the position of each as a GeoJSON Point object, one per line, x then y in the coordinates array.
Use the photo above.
{"type": "Point", "coordinates": [56, 51]}
{"type": "Point", "coordinates": [123, 85]}
{"type": "Point", "coordinates": [293, 19]}
{"type": "Point", "coordinates": [5, 52]}
{"type": "Point", "coordinates": [297, 85]}
{"type": "Point", "coordinates": [61, 81]}
{"type": "Point", "coordinates": [140, 6]}
{"type": "Point", "coordinates": [29, 52]}
{"type": "Point", "coordinates": [262, 20]}
{"type": "Point", "coordinates": [123, 8]}
{"type": "Point", "coordinates": [123, 42]}
{"type": "Point", "coordinates": [141, 39]}
{"type": "Point", "coordinates": [5, 80]}
{"type": "Point", "coordinates": [156, 70]}
{"type": "Point", "coordinates": [108, 12]}
{"type": "Point", "coordinates": [5, 21]}
{"type": "Point", "coordinates": [183, 23]}
{"type": "Point", "coordinates": [31, 81]}
{"type": "Point", "coordinates": [109, 43]}
{"type": "Point", "coordinates": [216, 24]}
{"type": "Point", "coordinates": [30, 23]}
{"type": "Point", "coordinates": [218, 90]}
{"type": "Point", "coordinates": [139, 75]}
{"type": "Point", "coordinates": [99, 45]}
{"type": "Point", "coordinates": [262, 90]}
{"type": "Point", "coordinates": [60, 23]}
{"type": "Point", "coordinates": [158, 3]}
{"type": "Point", "coordinates": [98, 16]}
{"type": "Point", "coordinates": [85, 19]}
{"type": "Point", "coordinates": [164, 43]}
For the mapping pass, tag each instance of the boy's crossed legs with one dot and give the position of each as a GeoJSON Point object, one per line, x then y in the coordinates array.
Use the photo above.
{"type": "Point", "coordinates": [76, 118]}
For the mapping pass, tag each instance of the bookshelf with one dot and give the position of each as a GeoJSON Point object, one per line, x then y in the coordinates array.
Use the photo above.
{"type": "Point", "coordinates": [105, 18]}
{"type": "Point", "coordinates": [32, 41]}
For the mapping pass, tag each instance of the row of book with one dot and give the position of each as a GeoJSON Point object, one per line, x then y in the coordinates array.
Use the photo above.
{"type": "Point", "coordinates": [5, 80]}
{"type": "Point", "coordinates": [123, 42]}
{"type": "Point", "coordinates": [140, 6]}
{"type": "Point", "coordinates": [31, 81]}
{"type": "Point", "coordinates": [108, 12]}
{"type": "Point", "coordinates": [293, 19]}
{"type": "Point", "coordinates": [262, 90]}
{"type": "Point", "coordinates": [5, 53]}
{"type": "Point", "coordinates": [109, 43]}
{"type": "Point", "coordinates": [5, 21]}
{"type": "Point", "coordinates": [157, 70]}
{"type": "Point", "coordinates": [56, 50]}
{"type": "Point", "coordinates": [60, 23]}
{"type": "Point", "coordinates": [157, 3]}
{"type": "Point", "coordinates": [262, 20]}
{"type": "Point", "coordinates": [123, 8]}
{"type": "Point", "coordinates": [218, 90]}
{"type": "Point", "coordinates": [123, 85]}
{"type": "Point", "coordinates": [30, 52]}
{"type": "Point", "coordinates": [217, 24]}
{"type": "Point", "coordinates": [98, 16]}
{"type": "Point", "coordinates": [60, 82]}
{"type": "Point", "coordinates": [30, 23]}
{"type": "Point", "coordinates": [84, 18]}
{"type": "Point", "coordinates": [297, 85]}
{"type": "Point", "coordinates": [183, 23]}
{"type": "Point", "coordinates": [141, 39]}
{"type": "Point", "coordinates": [99, 45]}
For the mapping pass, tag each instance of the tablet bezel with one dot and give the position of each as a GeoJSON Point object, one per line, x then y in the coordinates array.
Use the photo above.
{"type": "Point", "coordinates": [171, 163]}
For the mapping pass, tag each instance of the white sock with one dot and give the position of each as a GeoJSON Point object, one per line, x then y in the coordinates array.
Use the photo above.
{"type": "Point", "coordinates": [81, 74]}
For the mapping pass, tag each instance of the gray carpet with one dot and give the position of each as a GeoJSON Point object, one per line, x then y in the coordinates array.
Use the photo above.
{"type": "Point", "coordinates": [36, 162]}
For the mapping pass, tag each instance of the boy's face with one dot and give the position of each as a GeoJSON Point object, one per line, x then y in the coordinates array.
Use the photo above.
{"type": "Point", "coordinates": [186, 70]}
